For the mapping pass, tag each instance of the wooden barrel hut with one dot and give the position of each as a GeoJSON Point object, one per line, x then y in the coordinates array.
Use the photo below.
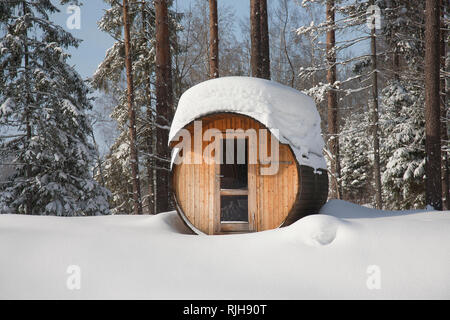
{"type": "Point", "coordinates": [247, 156]}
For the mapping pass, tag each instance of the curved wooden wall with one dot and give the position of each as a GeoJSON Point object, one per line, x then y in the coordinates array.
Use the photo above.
{"type": "Point", "coordinates": [282, 198]}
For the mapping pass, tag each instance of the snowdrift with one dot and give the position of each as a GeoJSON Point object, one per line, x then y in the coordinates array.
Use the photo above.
{"type": "Point", "coordinates": [345, 252]}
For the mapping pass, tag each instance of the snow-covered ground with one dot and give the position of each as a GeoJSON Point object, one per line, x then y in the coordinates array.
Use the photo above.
{"type": "Point", "coordinates": [348, 251]}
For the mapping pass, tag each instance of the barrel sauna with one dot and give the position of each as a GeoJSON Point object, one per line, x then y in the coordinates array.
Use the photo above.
{"type": "Point", "coordinates": [230, 181]}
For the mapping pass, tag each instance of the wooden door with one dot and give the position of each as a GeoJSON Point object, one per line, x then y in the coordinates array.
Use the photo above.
{"type": "Point", "coordinates": [235, 181]}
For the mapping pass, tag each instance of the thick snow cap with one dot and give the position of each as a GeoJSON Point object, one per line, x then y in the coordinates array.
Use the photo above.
{"type": "Point", "coordinates": [276, 106]}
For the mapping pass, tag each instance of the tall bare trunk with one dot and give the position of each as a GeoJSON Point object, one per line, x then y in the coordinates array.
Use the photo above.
{"type": "Point", "coordinates": [255, 35]}
{"type": "Point", "coordinates": [375, 129]}
{"type": "Point", "coordinates": [163, 103]}
{"type": "Point", "coordinates": [213, 40]}
{"type": "Point", "coordinates": [150, 161]}
{"type": "Point", "coordinates": [333, 128]}
{"type": "Point", "coordinates": [131, 114]}
{"type": "Point", "coordinates": [433, 182]}
{"type": "Point", "coordinates": [149, 126]}
{"type": "Point", "coordinates": [444, 135]}
{"type": "Point", "coordinates": [28, 196]}
{"type": "Point", "coordinates": [265, 51]}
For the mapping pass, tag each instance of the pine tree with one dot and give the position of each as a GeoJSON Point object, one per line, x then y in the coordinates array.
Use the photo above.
{"type": "Point", "coordinates": [432, 105]}
{"type": "Point", "coordinates": [403, 99]}
{"type": "Point", "coordinates": [368, 68]}
{"type": "Point", "coordinates": [333, 124]}
{"type": "Point", "coordinates": [164, 102]}
{"type": "Point", "coordinates": [375, 116]}
{"type": "Point", "coordinates": [444, 107]}
{"type": "Point", "coordinates": [255, 35]}
{"type": "Point", "coordinates": [43, 105]}
{"type": "Point", "coordinates": [131, 112]}
{"type": "Point", "coordinates": [191, 44]}
{"type": "Point", "coordinates": [110, 77]}
{"type": "Point", "coordinates": [265, 49]}
{"type": "Point", "coordinates": [213, 40]}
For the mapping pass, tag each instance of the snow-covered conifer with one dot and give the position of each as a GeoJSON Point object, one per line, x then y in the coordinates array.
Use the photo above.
{"type": "Point", "coordinates": [43, 106]}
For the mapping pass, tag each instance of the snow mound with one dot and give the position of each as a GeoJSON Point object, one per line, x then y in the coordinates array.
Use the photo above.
{"type": "Point", "coordinates": [278, 107]}
{"type": "Point", "coordinates": [316, 230]}
{"type": "Point", "coordinates": [347, 210]}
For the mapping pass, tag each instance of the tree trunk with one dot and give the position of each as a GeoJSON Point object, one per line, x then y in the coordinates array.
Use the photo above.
{"type": "Point", "coordinates": [375, 129]}
{"type": "Point", "coordinates": [150, 162]}
{"type": "Point", "coordinates": [28, 173]}
{"type": "Point", "coordinates": [265, 51]}
{"type": "Point", "coordinates": [255, 35]}
{"type": "Point", "coordinates": [131, 114]}
{"type": "Point", "coordinates": [444, 135]}
{"type": "Point", "coordinates": [213, 40]}
{"type": "Point", "coordinates": [163, 103]}
{"type": "Point", "coordinates": [149, 126]}
{"type": "Point", "coordinates": [333, 128]}
{"type": "Point", "coordinates": [433, 184]}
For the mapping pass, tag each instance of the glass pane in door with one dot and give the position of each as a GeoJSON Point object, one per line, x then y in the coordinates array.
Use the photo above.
{"type": "Point", "coordinates": [234, 173]}
{"type": "Point", "coordinates": [234, 208]}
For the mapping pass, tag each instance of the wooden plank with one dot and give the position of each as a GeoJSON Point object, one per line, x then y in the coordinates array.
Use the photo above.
{"type": "Point", "coordinates": [282, 188]}
{"type": "Point", "coordinates": [272, 199]}
{"type": "Point", "coordinates": [234, 227]}
{"type": "Point", "coordinates": [191, 178]}
{"type": "Point", "coordinates": [278, 190]}
{"type": "Point", "coordinates": [202, 186]}
{"type": "Point", "coordinates": [197, 194]}
{"type": "Point", "coordinates": [259, 186]}
{"type": "Point", "coordinates": [265, 202]}
{"type": "Point", "coordinates": [189, 200]}
{"type": "Point", "coordinates": [287, 188]}
{"type": "Point", "coordinates": [204, 191]}
{"type": "Point", "coordinates": [211, 200]}
{"type": "Point", "coordinates": [217, 197]}
{"type": "Point", "coordinates": [251, 195]}
{"type": "Point", "coordinates": [270, 182]}
{"type": "Point", "coordinates": [234, 192]}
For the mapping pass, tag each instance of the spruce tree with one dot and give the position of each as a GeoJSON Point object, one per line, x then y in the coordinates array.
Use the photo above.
{"type": "Point", "coordinates": [402, 119]}
{"type": "Point", "coordinates": [43, 106]}
{"type": "Point", "coordinates": [403, 152]}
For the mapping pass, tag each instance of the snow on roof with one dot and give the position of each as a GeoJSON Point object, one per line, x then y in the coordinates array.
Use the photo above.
{"type": "Point", "coordinates": [276, 106]}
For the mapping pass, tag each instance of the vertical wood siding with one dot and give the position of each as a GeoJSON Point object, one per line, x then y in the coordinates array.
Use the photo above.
{"type": "Point", "coordinates": [195, 185]}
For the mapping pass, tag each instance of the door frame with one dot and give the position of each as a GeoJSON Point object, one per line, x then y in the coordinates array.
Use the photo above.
{"type": "Point", "coordinates": [235, 227]}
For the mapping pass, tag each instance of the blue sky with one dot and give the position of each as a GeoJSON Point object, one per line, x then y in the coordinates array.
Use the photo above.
{"type": "Point", "coordinates": [92, 50]}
